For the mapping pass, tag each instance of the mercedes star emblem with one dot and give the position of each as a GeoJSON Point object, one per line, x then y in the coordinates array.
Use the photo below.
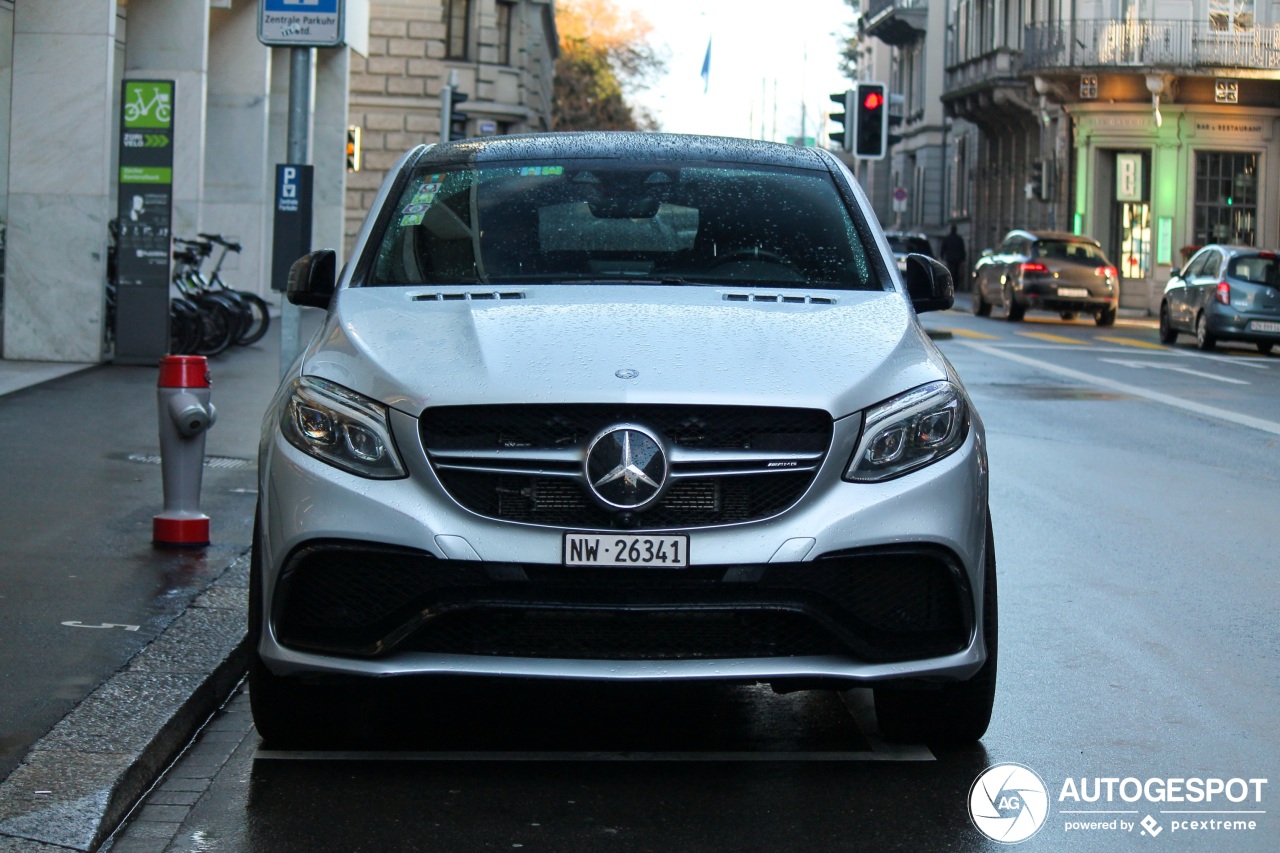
{"type": "Point", "coordinates": [626, 467]}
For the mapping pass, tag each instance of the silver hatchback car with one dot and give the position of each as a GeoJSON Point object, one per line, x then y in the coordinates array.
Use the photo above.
{"type": "Point", "coordinates": [1224, 293]}
{"type": "Point", "coordinates": [623, 407]}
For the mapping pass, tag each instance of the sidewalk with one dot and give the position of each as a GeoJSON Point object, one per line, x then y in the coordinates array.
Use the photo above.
{"type": "Point", "coordinates": [113, 650]}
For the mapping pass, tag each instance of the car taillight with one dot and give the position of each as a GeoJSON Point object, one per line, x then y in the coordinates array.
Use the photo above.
{"type": "Point", "coordinates": [1223, 293]}
{"type": "Point", "coordinates": [1267, 256]}
{"type": "Point", "coordinates": [1032, 267]}
{"type": "Point", "coordinates": [1106, 272]}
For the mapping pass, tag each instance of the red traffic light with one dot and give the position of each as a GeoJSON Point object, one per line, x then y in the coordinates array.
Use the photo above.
{"type": "Point", "coordinates": [873, 100]}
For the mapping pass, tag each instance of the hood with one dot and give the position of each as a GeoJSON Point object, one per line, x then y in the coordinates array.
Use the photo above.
{"type": "Point", "coordinates": [414, 347]}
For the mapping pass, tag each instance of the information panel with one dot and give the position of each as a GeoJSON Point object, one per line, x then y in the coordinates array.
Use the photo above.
{"type": "Point", "coordinates": [143, 215]}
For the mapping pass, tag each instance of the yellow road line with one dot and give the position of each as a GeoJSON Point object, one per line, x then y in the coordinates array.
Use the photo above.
{"type": "Point", "coordinates": [1131, 342]}
{"type": "Point", "coordinates": [965, 333]}
{"type": "Point", "coordinates": [1054, 339]}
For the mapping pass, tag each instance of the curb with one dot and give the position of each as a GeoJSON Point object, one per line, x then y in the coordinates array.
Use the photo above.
{"type": "Point", "coordinates": [79, 782]}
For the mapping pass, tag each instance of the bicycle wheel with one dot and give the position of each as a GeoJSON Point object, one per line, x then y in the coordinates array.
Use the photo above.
{"type": "Point", "coordinates": [259, 318]}
{"type": "Point", "coordinates": [185, 326]}
{"type": "Point", "coordinates": [241, 313]}
{"type": "Point", "coordinates": [217, 326]}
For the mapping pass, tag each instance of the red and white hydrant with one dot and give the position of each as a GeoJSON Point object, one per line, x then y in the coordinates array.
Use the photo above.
{"type": "Point", "coordinates": [185, 415]}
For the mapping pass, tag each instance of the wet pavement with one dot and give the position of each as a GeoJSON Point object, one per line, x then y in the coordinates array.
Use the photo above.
{"type": "Point", "coordinates": [109, 642]}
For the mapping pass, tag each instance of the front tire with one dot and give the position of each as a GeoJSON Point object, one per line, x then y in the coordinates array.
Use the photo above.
{"type": "Point", "coordinates": [1204, 340]}
{"type": "Point", "coordinates": [981, 307]}
{"type": "Point", "coordinates": [286, 713]}
{"type": "Point", "coordinates": [957, 713]}
{"type": "Point", "coordinates": [1168, 334]}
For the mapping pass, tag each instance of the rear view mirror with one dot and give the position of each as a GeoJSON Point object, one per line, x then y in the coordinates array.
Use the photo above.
{"type": "Point", "coordinates": [312, 279]}
{"type": "Point", "coordinates": [928, 284]}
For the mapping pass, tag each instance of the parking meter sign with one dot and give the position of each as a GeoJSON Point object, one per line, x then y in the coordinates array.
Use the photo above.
{"type": "Point", "coordinates": [292, 224]}
{"type": "Point", "coordinates": [301, 23]}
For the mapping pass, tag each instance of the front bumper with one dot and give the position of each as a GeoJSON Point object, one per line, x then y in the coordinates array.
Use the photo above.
{"type": "Point", "coordinates": [856, 582]}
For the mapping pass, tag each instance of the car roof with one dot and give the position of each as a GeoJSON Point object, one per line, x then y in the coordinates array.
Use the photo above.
{"type": "Point", "coordinates": [1052, 235]}
{"type": "Point", "coordinates": [1232, 249]}
{"type": "Point", "coordinates": [605, 145]}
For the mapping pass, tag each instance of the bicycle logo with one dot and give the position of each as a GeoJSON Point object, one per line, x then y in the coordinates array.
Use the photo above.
{"type": "Point", "coordinates": [148, 104]}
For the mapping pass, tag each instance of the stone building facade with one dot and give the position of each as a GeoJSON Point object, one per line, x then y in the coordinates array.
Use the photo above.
{"type": "Point", "coordinates": [501, 53]}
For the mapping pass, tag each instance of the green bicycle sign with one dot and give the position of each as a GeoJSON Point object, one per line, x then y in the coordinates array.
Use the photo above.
{"type": "Point", "coordinates": [148, 104]}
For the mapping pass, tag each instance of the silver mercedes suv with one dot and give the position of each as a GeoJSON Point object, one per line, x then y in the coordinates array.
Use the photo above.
{"type": "Point", "coordinates": [624, 407]}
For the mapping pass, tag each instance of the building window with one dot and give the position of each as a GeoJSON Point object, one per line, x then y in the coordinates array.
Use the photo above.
{"type": "Point", "coordinates": [505, 14]}
{"type": "Point", "coordinates": [457, 15]}
{"type": "Point", "coordinates": [1230, 15]}
{"type": "Point", "coordinates": [1226, 198]}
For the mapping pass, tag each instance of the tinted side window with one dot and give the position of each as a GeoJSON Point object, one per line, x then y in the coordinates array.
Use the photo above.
{"type": "Point", "coordinates": [1212, 263]}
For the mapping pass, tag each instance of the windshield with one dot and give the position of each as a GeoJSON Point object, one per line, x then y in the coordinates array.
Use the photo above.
{"type": "Point", "coordinates": [626, 221]}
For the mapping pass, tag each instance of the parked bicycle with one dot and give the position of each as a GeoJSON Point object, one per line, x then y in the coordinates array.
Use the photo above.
{"type": "Point", "coordinates": [253, 310]}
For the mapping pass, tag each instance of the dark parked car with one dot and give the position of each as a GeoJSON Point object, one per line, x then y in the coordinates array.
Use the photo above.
{"type": "Point", "coordinates": [1048, 270]}
{"type": "Point", "coordinates": [903, 243]}
{"type": "Point", "coordinates": [1224, 293]}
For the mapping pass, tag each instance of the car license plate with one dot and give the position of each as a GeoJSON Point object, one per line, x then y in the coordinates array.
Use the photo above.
{"type": "Point", "coordinates": [1263, 326]}
{"type": "Point", "coordinates": [1073, 291]}
{"type": "Point", "coordinates": [626, 549]}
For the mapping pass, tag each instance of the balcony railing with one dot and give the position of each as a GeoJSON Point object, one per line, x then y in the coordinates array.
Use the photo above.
{"type": "Point", "coordinates": [875, 7]}
{"type": "Point", "coordinates": [1150, 44]}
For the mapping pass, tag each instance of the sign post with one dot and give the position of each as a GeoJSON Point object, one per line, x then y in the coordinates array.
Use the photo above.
{"type": "Point", "coordinates": [143, 217]}
{"type": "Point", "coordinates": [299, 25]}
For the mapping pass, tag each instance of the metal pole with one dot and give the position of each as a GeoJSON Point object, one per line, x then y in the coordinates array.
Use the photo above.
{"type": "Point", "coordinates": [298, 154]}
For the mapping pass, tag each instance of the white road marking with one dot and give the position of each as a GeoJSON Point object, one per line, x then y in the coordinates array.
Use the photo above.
{"type": "Point", "coordinates": [103, 625]}
{"type": "Point", "coordinates": [1155, 396]}
{"type": "Point", "coordinates": [1143, 365]}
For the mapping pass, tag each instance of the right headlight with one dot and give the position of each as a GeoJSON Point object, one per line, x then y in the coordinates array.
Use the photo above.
{"type": "Point", "coordinates": [338, 426]}
{"type": "Point", "coordinates": [909, 431]}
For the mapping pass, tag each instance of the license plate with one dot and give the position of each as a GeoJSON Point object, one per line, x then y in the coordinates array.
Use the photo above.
{"type": "Point", "coordinates": [626, 549]}
{"type": "Point", "coordinates": [1073, 291]}
{"type": "Point", "coordinates": [1263, 326]}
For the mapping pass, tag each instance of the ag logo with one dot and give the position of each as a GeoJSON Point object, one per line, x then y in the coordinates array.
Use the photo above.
{"type": "Point", "coordinates": [1008, 803]}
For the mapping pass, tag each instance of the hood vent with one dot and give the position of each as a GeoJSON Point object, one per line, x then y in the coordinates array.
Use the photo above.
{"type": "Point", "coordinates": [459, 297]}
{"type": "Point", "coordinates": [787, 298]}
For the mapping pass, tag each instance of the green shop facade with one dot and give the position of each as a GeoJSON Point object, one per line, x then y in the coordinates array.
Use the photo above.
{"type": "Point", "coordinates": [1169, 132]}
{"type": "Point", "coordinates": [1153, 194]}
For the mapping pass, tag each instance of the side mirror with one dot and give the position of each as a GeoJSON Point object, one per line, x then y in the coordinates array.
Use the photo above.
{"type": "Point", "coordinates": [928, 284]}
{"type": "Point", "coordinates": [986, 253]}
{"type": "Point", "coordinates": [1175, 273]}
{"type": "Point", "coordinates": [313, 278]}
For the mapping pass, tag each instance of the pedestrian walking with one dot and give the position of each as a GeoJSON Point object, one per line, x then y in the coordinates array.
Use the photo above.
{"type": "Point", "coordinates": [953, 255]}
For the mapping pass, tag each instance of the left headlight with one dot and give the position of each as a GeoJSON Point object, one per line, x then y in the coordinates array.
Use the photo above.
{"type": "Point", "coordinates": [342, 428]}
{"type": "Point", "coordinates": [909, 431]}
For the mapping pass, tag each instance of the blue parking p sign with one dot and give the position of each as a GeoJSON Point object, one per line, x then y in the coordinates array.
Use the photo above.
{"type": "Point", "coordinates": [301, 23]}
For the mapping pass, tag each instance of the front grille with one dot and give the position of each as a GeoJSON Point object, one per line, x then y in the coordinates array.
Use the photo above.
{"type": "Point", "coordinates": [524, 464]}
{"type": "Point", "coordinates": [885, 605]}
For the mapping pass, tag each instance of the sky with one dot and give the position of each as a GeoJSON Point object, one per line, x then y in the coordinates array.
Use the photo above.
{"type": "Point", "coordinates": [791, 47]}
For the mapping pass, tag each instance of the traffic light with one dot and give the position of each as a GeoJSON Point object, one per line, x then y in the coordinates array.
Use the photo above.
{"type": "Point", "coordinates": [1042, 179]}
{"type": "Point", "coordinates": [457, 120]}
{"type": "Point", "coordinates": [453, 124]}
{"type": "Point", "coordinates": [844, 136]}
{"type": "Point", "coordinates": [871, 122]}
{"type": "Point", "coordinates": [353, 148]}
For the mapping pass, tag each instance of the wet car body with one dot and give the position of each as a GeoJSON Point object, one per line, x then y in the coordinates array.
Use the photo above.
{"type": "Point", "coordinates": [585, 407]}
{"type": "Point", "coordinates": [1047, 270]}
{"type": "Point", "coordinates": [1224, 293]}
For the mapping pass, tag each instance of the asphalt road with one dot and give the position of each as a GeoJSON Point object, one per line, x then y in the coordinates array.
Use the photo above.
{"type": "Point", "coordinates": [1135, 496]}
